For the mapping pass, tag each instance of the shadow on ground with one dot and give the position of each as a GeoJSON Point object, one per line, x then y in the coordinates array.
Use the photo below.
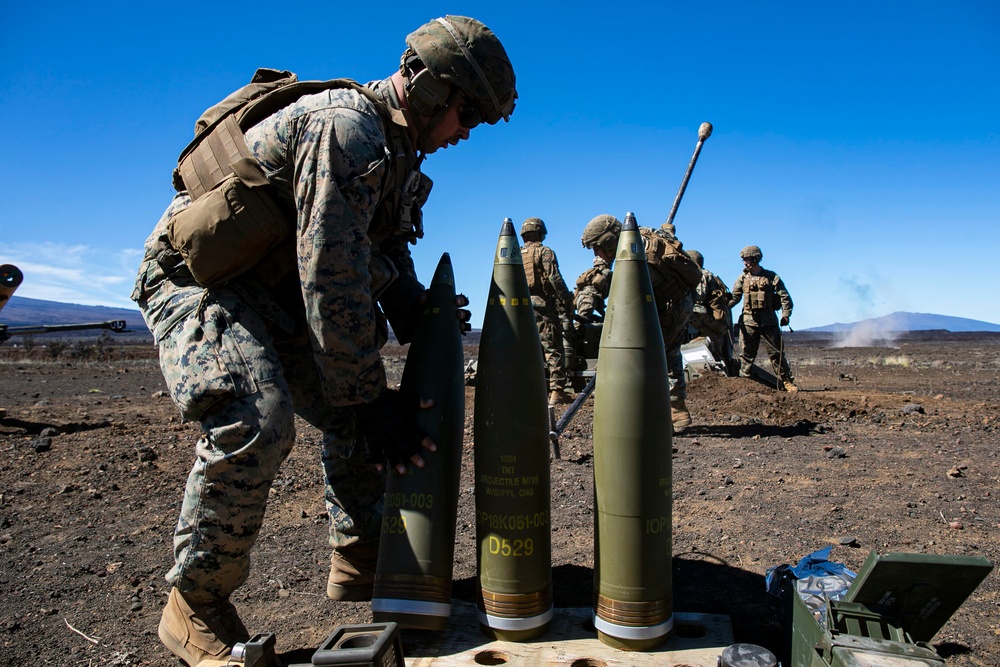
{"type": "Point", "coordinates": [799, 429]}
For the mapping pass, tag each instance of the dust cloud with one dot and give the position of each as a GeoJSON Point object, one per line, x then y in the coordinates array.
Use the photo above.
{"type": "Point", "coordinates": [869, 333]}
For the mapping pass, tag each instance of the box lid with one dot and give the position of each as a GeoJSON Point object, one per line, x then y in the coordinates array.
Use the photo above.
{"type": "Point", "coordinates": [919, 591]}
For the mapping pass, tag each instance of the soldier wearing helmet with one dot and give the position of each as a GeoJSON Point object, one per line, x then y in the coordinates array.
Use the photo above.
{"type": "Point", "coordinates": [297, 328]}
{"type": "Point", "coordinates": [712, 317]}
{"type": "Point", "coordinates": [765, 294]}
{"type": "Point", "coordinates": [674, 276]}
{"type": "Point", "coordinates": [455, 75]}
{"type": "Point", "coordinates": [550, 299]}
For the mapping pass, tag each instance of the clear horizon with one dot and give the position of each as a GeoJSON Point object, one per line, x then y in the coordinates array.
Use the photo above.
{"type": "Point", "coordinates": [871, 328]}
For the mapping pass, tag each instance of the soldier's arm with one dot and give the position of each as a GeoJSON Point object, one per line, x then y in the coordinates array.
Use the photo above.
{"type": "Point", "coordinates": [400, 301]}
{"type": "Point", "coordinates": [737, 292]}
{"type": "Point", "coordinates": [783, 296]}
{"type": "Point", "coordinates": [339, 165]}
{"type": "Point", "coordinates": [550, 268]}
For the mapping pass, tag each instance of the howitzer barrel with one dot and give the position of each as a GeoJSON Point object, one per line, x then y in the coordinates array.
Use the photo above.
{"type": "Point", "coordinates": [417, 549]}
{"type": "Point", "coordinates": [633, 607]}
{"type": "Point", "coordinates": [704, 132]}
{"type": "Point", "coordinates": [514, 547]}
{"type": "Point", "coordinates": [118, 326]}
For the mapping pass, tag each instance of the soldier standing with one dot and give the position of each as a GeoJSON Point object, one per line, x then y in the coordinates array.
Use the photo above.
{"type": "Point", "coordinates": [297, 328]}
{"type": "Point", "coordinates": [549, 296]}
{"type": "Point", "coordinates": [674, 276]}
{"type": "Point", "coordinates": [765, 294]}
{"type": "Point", "coordinates": [712, 317]}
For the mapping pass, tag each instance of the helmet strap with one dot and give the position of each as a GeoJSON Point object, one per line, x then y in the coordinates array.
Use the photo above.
{"type": "Point", "coordinates": [472, 61]}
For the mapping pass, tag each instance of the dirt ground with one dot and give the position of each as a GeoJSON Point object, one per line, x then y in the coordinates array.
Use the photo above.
{"type": "Point", "coordinates": [893, 446]}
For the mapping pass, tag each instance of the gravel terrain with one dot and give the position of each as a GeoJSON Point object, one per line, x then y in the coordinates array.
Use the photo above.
{"type": "Point", "coordinates": [891, 448]}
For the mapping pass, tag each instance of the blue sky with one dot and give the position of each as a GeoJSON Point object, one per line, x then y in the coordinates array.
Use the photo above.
{"type": "Point", "coordinates": [855, 142]}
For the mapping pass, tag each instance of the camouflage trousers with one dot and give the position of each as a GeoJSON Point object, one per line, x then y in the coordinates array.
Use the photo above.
{"type": "Point", "coordinates": [750, 338]}
{"type": "Point", "coordinates": [551, 334]}
{"type": "Point", "coordinates": [224, 369]}
{"type": "Point", "coordinates": [673, 324]}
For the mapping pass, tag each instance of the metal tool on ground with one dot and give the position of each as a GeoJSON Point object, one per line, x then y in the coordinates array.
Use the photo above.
{"type": "Point", "coordinates": [371, 645]}
{"type": "Point", "coordinates": [567, 416]}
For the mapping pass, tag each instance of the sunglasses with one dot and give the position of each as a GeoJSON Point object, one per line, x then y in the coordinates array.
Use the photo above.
{"type": "Point", "coordinates": [469, 115]}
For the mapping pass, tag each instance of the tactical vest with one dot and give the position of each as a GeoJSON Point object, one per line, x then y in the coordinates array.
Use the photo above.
{"type": "Point", "coordinates": [759, 293]}
{"type": "Point", "coordinates": [673, 273]}
{"type": "Point", "coordinates": [235, 217]}
{"type": "Point", "coordinates": [530, 256]}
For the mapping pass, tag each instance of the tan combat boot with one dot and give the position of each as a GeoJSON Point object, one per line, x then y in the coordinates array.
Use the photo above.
{"type": "Point", "coordinates": [560, 397]}
{"type": "Point", "coordinates": [790, 386]}
{"type": "Point", "coordinates": [679, 414]}
{"type": "Point", "coordinates": [195, 632]}
{"type": "Point", "coordinates": [352, 572]}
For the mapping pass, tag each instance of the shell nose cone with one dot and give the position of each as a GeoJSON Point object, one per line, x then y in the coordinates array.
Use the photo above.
{"type": "Point", "coordinates": [630, 225]}
{"type": "Point", "coordinates": [444, 274]}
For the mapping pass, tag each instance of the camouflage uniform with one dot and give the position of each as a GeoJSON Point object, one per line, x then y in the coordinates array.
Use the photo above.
{"type": "Point", "coordinates": [297, 334]}
{"type": "Point", "coordinates": [592, 288]}
{"type": "Point", "coordinates": [765, 293]}
{"type": "Point", "coordinates": [674, 305]}
{"type": "Point", "coordinates": [549, 296]}
{"type": "Point", "coordinates": [711, 316]}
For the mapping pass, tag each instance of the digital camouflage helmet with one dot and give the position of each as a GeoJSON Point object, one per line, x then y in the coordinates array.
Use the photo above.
{"type": "Point", "coordinates": [602, 232]}
{"type": "Point", "coordinates": [534, 225]}
{"type": "Point", "coordinates": [462, 52]}
{"type": "Point", "coordinates": [751, 252]}
{"type": "Point", "coordinates": [697, 257]}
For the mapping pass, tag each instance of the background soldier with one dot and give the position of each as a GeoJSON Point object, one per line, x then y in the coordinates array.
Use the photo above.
{"type": "Point", "coordinates": [712, 317]}
{"type": "Point", "coordinates": [299, 331]}
{"type": "Point", "coordinates": [549, 296]}
{"type": "Point", "coordinates": [674, 276]}
{"type": "Point", "coordinates": [592, 288]}
{"type": "Point", "coordinates": [765, 294]}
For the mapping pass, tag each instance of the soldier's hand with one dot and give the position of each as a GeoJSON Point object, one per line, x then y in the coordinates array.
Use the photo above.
{"type": "Point", "coordinates": [784, 321]}
{"type": "Point", "coordinates": [390, 429]}
{"type": "Point", "coordinates": [464, 316]}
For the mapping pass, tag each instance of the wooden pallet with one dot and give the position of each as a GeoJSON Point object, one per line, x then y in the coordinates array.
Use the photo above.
{"type": "Point", "coordinates": [697, 641]}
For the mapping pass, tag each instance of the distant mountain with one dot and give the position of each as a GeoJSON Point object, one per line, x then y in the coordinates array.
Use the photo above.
{"type": "Point", "coordinates": [899, 322]}
{"type": "Point", "coordinates": [22, 312]}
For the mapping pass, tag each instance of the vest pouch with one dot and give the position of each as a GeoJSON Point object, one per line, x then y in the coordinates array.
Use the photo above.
{"type": "Point", "coordinates": [230, 228]}
{"type": "Point", "coordinates": [529, 258]}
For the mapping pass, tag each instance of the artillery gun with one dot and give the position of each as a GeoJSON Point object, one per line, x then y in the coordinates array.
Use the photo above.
{"type": "Point", "coordinates": [10, 279]}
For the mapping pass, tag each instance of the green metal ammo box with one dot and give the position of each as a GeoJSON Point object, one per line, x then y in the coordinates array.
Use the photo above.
{"type": "Point", "coordinates": [895, 605]}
